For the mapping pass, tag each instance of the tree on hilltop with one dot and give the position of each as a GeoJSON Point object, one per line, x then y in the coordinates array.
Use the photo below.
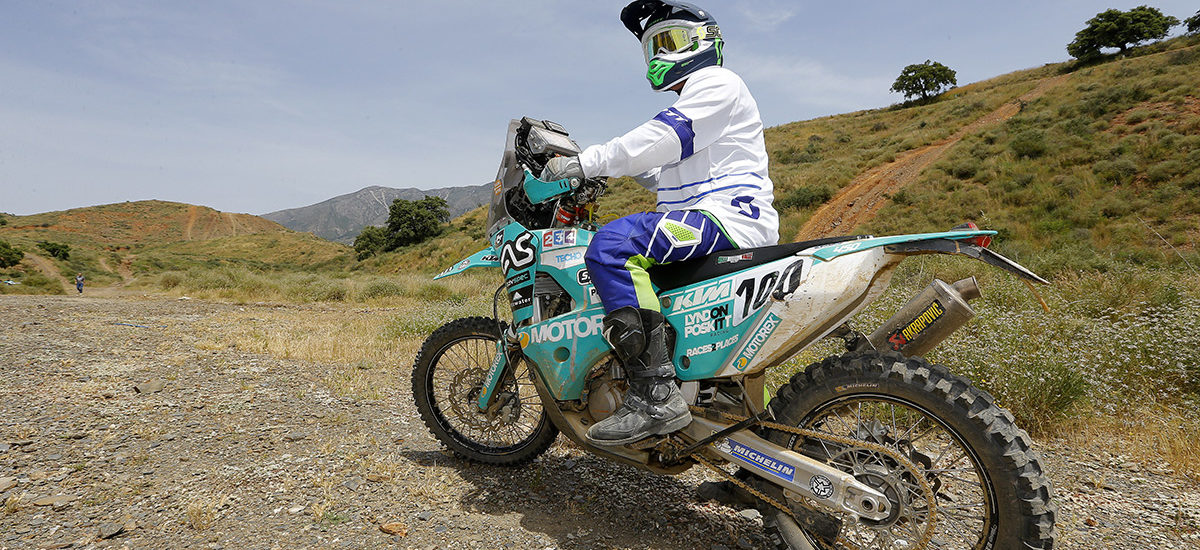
{"type": "Point", "coordinates": [409, 222]}
{"type": "Point", "coordinates": [924, 79]}
{"type": "Point", "coordinates": [1120, 29]}
{"type": "Point", "coordinates": [1193, 23]}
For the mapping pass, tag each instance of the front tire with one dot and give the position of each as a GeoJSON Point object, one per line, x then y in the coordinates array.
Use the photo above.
{"type": "Point", "coordinates": [447, 377]}
{"type": "Point", "coordinates": [990, 488]}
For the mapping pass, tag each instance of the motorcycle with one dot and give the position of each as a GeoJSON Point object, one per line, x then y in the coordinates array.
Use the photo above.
{"type": "Point", "coordinates": [874, 448]}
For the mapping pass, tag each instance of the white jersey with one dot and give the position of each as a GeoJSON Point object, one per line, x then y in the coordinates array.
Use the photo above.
{"type": "Point", "coordinates": [705, 152]}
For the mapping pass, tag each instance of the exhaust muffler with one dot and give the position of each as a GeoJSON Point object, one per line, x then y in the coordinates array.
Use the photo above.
{"type": "Point", "coordinates": [928, 318]}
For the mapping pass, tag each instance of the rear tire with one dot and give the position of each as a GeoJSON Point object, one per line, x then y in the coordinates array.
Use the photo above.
{"type": "Point", "coordinates": [447, 376]}
{"type": "Point", "coordinates": [995, 496]}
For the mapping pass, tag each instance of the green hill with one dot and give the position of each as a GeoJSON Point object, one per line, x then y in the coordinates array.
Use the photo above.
{"type": "Point", "coordinates": [116, 243]}
{"type": "Point", "coordinates": [1086, 176]}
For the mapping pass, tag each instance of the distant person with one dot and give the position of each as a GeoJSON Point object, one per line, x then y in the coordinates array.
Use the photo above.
{"type": "Point", "coordinates": [79, 283]}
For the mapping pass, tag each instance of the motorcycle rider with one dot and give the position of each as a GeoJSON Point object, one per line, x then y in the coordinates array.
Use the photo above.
{"type": "Point", "coordinates": [705, 158]}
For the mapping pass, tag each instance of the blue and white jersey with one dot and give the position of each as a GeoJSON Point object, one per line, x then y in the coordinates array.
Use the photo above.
{"type": "Point", "coordinates": [705, 152]}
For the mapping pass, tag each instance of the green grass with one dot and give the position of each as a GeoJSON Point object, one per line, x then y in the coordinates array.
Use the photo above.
{"type": "Point", "coordinates": [1111, 341]}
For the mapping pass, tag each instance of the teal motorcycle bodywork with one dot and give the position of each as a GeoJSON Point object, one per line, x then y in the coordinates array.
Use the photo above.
{"type": "Point", "coordinates": [720, 324]}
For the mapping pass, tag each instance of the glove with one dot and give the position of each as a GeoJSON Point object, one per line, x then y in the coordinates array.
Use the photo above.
{"type": "Point", "coordinates": [562, 167]}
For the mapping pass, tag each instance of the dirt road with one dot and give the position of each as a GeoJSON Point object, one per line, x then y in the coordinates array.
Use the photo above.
{"type": "Point", "coordinates": [858, 202]}
{"type": "Point", "coordinates": [224, 449]}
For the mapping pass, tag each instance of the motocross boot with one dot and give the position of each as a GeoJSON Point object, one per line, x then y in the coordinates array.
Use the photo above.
{"type": "Point", "coordinates": [653, 404]}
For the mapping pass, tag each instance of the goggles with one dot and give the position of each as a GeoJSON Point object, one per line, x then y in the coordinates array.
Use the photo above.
{"type": "Point", "coordinates": [676, 39]}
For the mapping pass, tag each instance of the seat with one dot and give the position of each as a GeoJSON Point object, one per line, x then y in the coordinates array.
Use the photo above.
{"type": "Point", "coordinates": [674, 275]}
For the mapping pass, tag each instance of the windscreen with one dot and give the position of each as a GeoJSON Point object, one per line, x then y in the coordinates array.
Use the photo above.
{"type": "Point", "coordinates": [508, 177]}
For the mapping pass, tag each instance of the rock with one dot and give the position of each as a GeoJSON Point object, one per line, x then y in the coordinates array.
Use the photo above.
{"type": "Point", "coordinates": [394, 528]}
{"type": "Point", "coordinates": [21, 442]}
{"type": "Point", "coordinates": [376, 478]}
{"type": "Point", "coordinates": [353, 483]}
{"type": "Point", "coordinates": [750, 514]}
{"type": "Point", "coordinates": [295, 436]}
{"type": "Point", "coordinates": [295, 510]}
{"type": "Point", "coordinates": [440, 529]}
{"type": "Point", "coordinates": [151, 386]}
{"type": "Point", "coordinates": [4, 447]}
{"type": "Point", "coordinates": [7, 483]}
{"type": "Point", "coordinates": [110, 530]}
{"type": "Point", "coordinates": [424, 516]}
{"type": "Point", "coordinates": [56, 500]}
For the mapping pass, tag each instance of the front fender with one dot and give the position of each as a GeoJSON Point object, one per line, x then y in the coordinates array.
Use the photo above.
{"type": "Point", "coordinates": [484, 258]}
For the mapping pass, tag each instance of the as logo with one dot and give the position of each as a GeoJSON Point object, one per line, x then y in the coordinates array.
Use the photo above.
{"type": "Point", "coordinates": [518, 254]}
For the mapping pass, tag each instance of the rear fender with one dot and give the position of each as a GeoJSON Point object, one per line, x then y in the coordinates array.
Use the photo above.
{"type": "Point", "coordinates": [947, 242]}
{"type": "Point", "coordinates": [958, 247]}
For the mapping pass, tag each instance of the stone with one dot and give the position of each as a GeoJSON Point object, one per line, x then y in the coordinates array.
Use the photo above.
{"type": "Point", "coordinates": [750, 514]}
{"type": "Point", "coordinates": [7, 483]}
{"type": "Point", "coordinates": [295, 436]}
{"type": "Point", "coordinates": [4, 447]}
{"type": "Point", "coordinates": [110, 530]}
{"type": "Point", "coordinates": [56, 500]}
{"type": "Point", "coordinates": [353, 483]}
{"type": "Point", "coordinates": [424, 516]}
{"type": "Point", "coordinates": [151, 386]}
{"type": "Point", "coordinates": [295, 510]}
{"type": "Point", "coordinates": [394, 528]}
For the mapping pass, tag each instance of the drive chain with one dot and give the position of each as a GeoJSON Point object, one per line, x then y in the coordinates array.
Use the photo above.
{"type": "Point", "coordinates": [841, 542]}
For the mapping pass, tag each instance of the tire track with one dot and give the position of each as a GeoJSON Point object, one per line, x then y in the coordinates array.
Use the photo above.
{"type": "Point", "coordinates": [865, 196]}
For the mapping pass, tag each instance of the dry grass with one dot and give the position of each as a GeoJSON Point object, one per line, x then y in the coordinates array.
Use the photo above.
{"type": "Point", "coordinates": [13, 503]}
{"type": "Point", "coordinates": [202, 512]}
{"type": "Point", "coordinates": [1155, 434]}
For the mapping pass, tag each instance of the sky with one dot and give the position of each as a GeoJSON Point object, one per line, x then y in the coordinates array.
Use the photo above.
{"type": "Point", "coordinates": [265, 105]}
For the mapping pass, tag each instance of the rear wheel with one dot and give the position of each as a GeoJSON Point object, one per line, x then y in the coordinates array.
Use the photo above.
{"type": "Point", "coordinates": [989, 487]}
{"type": "Point", "coordinates": [447, 380]}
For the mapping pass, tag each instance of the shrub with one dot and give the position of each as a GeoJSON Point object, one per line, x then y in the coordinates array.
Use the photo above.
{"type": "Point", "coordinates": [804, 197]}
{"type": "Point", "coordinates": [9, 256]}
{"type": "Point", "coordinates": [61, 251]}
{"type": "Point", "coordinates": [1029, 144]}
{"type": "Point", "coordinates": [1115, 172]}
{"type": "Point", "coordinates": [380, 288]}
{"type": "Point", "coordinates": [170, 279]}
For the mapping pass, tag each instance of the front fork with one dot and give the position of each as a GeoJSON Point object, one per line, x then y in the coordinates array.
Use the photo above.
{"type": "Point", "coordinates": [495, 372]}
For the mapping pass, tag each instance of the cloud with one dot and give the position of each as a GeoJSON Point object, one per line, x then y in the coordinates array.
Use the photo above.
{"type": "Point", "coordinates": [800, 87]}
{"type": "Point", "coordinates": [766, 15]}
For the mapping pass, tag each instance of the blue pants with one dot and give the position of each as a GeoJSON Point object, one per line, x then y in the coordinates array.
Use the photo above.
{"type": "Point", "coordinates": [621, 251]}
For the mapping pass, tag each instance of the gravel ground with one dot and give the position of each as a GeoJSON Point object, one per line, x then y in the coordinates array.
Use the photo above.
{"type": "Point", "coordinates": [122, 427]}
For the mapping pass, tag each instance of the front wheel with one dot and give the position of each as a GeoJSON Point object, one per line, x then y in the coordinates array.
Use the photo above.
{"type": "Point", "coordinates": [988, 484]}
{"type": "Point", "coordinates": [447, 380]}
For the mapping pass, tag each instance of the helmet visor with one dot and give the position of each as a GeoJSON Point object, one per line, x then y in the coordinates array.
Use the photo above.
{"type": "Point", "coordinates": [669, 40]}
{"type": "Point", "coordinates": [676, 39]}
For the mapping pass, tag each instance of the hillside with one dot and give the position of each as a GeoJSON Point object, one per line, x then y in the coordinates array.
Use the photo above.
{"type": "Point", "coordinates": [1079, 168]}
{"type": "Point", "coordinates": [114, 243]}
{"type": "Point", "coordinates": [343, 217]}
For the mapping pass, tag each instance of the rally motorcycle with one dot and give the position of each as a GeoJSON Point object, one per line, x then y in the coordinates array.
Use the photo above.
{"type": "Point", "coordinates": [874, 448]}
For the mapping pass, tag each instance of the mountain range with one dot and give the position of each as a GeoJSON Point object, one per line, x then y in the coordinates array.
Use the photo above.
{"type": "Point", "coordinates": [341, 218]}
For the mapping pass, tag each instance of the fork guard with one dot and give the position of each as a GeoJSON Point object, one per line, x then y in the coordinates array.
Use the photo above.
{"type": "Point", "coordinates": [792, 471]}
